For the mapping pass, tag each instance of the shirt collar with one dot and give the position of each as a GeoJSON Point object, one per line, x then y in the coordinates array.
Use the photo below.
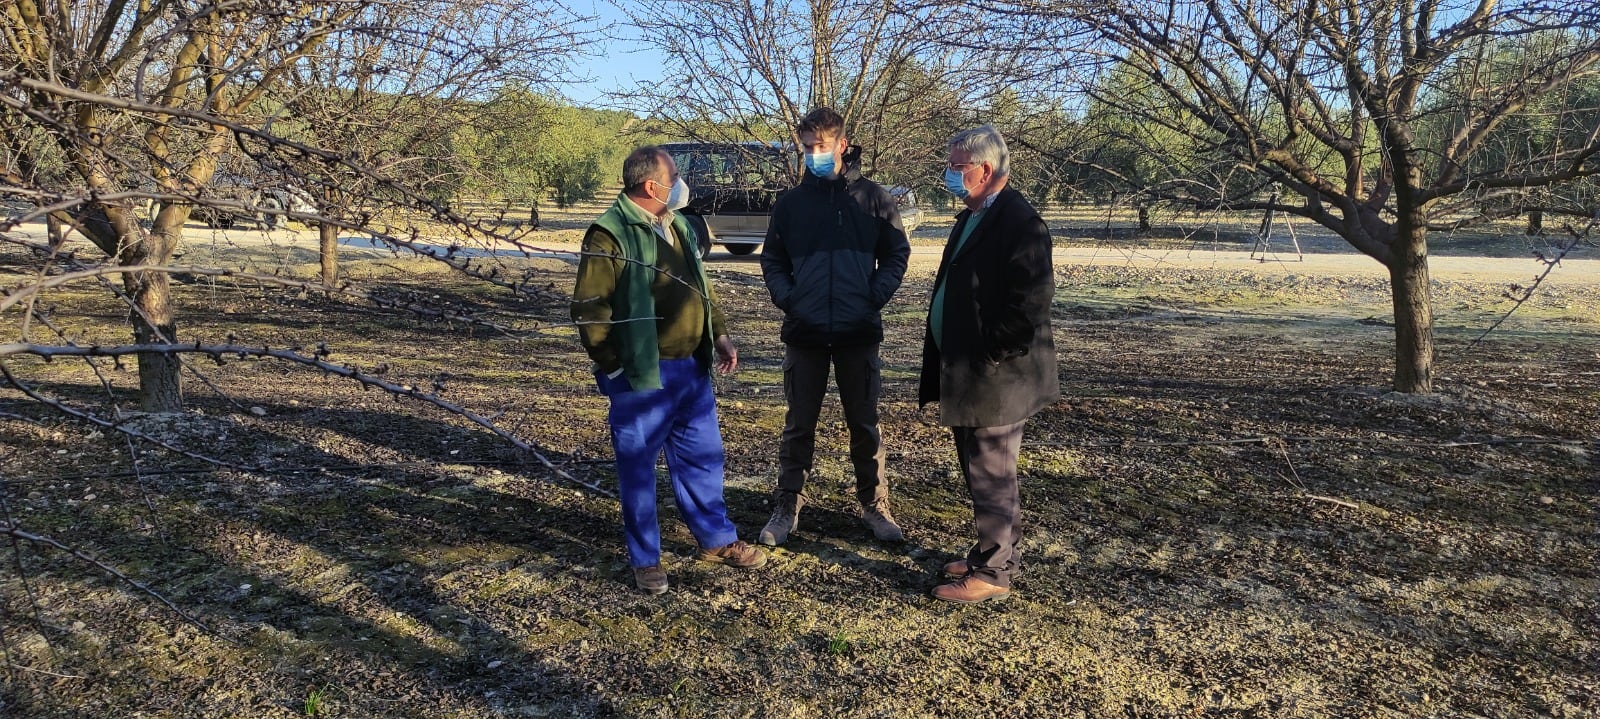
{"type": "Point", "coordinates": [648, 215]}
{"type": "Point", "coordinates": [987, 203]}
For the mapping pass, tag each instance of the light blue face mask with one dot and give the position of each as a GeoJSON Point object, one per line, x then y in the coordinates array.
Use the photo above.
{"type": "Point", "coordinates": [954, 183]}
{"type": "Point", "coordinates": [820, 164]}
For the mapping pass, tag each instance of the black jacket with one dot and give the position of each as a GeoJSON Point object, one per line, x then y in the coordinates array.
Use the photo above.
{"type": "Point", "coordinates": [997, 364]}
{"type": "Point", "coordinates": [834, 255]}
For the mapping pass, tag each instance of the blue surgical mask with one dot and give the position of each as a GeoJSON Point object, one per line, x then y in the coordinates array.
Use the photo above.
{"type": "Point", "coordinates": [954, 183]}
{"type": "Point", "coordinates": [820, 164]}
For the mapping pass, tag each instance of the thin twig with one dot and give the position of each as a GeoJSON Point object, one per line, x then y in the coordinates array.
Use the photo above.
{"type": "Point", "coordinates": [105, 383]}
{"type": "Point", "coordinates": [14, 665]}
{"type": "Point", "coordinates": [100, 271]}
{"type": "Point", "coordinates": [18, 533]}
{"type": "Point", "coordinates": [1520, 295]}
{"type": "Point", "coordinates": [217, 352]}
{"type": "Point", "coordinates": [5, 371]}
{"type": "Point", "coordinates": [1283, 450]}
{"type": "Point", "coordinates": [22, 569]}
{"type": "Point", "coordinates": [1299, 439]}
{"type": "Point", "coordinates": [1332, 500]}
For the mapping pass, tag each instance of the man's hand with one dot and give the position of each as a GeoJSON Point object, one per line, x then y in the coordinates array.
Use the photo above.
{"type": "Point", "coordinates": [727, 355]}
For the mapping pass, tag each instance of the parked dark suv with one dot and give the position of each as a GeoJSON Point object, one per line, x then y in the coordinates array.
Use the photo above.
{"type": "Point", "coordinates": [732, 186]}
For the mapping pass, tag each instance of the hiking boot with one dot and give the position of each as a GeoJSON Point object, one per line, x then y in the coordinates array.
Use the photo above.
{"type": "Point", "coordinates": [785, 518]}
{"type": "Point", "coordinates": [738, 554]}
{"type": "Point", "coordinates": [878, 519]}
{"type": "Point", "coordinates": [970, 590]}
{"type": "Point", "coordinates": [651, 579]}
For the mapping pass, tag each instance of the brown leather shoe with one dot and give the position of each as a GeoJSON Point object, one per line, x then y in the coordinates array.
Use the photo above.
{"type": "Point", "coordinates": [970, 590]}
{"type": "Point", "coordinates": [651, 580]}
{"type": "Point", "coordinates": [738, 554]}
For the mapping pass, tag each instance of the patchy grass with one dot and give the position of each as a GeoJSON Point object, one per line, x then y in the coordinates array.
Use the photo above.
{"type": "Point", "coordinates": [1226, 516]}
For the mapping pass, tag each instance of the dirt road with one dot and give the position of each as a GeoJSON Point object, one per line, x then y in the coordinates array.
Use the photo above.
{"type": "Point", "coordinates": [1582, 268]}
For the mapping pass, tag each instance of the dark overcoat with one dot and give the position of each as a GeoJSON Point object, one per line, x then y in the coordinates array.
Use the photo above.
{"type": "Point", "coordinates": [997, 363]}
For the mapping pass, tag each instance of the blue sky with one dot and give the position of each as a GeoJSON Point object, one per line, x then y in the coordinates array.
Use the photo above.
{"type": "Point", "coordinates": [618, 62]}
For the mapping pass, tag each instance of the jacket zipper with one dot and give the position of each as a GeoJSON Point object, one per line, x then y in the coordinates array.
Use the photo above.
{"type": "Point", "coordinates": [832, 257]}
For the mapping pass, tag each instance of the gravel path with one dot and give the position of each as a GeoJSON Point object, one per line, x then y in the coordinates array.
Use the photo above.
{"type": "Point", "coordinates": [1582, 268]}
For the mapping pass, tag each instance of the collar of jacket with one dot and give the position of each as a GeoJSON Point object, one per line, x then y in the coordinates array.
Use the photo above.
{"type": "Point", "coordinates": [998, 202]}
{"type": "Point", "coordinates": [989, 203]}
{"type": "Point", "coordinates": [852, 163]}
{"type": "Point", "coordinates": [823, 183]}
{"type": "Point", "coordinates": [636, 215]}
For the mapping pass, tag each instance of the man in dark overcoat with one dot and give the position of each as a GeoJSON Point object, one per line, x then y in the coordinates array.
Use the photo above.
{"type": "Point", "coordinates": [988, 357]}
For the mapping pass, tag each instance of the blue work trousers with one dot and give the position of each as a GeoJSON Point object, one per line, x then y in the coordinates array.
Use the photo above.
{"type": "Point", "coordinates": [681, 417]}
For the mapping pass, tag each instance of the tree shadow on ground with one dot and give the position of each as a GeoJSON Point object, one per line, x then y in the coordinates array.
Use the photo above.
{"type": "Point", "coordinates": [338, 565]}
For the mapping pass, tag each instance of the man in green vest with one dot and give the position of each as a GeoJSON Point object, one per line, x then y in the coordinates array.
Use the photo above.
{"type": "Point", "coordinates": [648, 318]}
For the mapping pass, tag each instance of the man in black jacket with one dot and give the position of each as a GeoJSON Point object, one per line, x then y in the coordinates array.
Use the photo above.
{"type": "Point", "coordinates": [988, 356]}
{"type": "Point", "coordinates": [834, 255]}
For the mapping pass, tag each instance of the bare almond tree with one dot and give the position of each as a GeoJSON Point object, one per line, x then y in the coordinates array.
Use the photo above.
{"type": "Point", "coordinates": [1384, 118]}
{"type": "Point", "coordinates": [396, 94]}
{"type": "Point", "coordinates": [739, 70]}
{"type": "Point", "coordinates": [107, 104]}
{"type": "Point", "coordinates": [167, 67]}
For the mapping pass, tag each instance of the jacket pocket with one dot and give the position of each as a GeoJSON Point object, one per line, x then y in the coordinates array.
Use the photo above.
{"type": "Point", "coordinates": [612, 386]}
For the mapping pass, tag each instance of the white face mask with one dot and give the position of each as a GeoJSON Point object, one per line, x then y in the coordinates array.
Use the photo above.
{"type": "Point", "coordinates": [678, 198]}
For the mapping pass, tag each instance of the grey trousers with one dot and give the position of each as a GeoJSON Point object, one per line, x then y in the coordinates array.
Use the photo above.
{"type": "Point", "coordinates": [989, 462]}
{"type": "Point", "coordinates": [858, 371]}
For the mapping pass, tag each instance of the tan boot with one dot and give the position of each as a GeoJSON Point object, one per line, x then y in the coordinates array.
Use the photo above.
{"type": "Point", "coordinates": [957, 569]}
{"type": "Point", "coordinates": [878, 519]}
{"type": "Point", "coordinates": [785, 518]}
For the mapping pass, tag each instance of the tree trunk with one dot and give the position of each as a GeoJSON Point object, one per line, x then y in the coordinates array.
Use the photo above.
{"type": "Point", "coordinates": [160, 384]}
{"type": "Point", "coordinates": [1413, 307]}
{"type": "Point", "coordinates": [55, 232]}
{"type": "Point", "coordinates": [160, 381]}
{"type": "Point", "coordinates": [822, 59]}
{"type": "Point", "coordinates": [328, 251]}
{"type": "Point", "coordinates": [1144, 218]}
{"type": "Point", "coordinates": [1535, 223]}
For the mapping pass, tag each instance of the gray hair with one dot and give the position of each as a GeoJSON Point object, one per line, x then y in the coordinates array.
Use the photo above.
{"type": "Point", "coordinates": [642, 164]}
{"type": "Point", "coordinates": [984, 144]}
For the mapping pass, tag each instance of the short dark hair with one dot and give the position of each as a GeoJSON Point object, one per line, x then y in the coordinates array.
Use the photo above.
{"type": "Point", "coordinates": [642, 164]}
{"type": "Point", "coordinates": [823, 121]}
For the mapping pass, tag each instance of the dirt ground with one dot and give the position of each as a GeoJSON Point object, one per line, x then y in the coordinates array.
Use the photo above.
{"type": "Point", "coordinates": [1227, 514]}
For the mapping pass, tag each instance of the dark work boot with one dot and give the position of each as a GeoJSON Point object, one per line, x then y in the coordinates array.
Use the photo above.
{"type": "Point", "coordinates": [785, 518]}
